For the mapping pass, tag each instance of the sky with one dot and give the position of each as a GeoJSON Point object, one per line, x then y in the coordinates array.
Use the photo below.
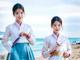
{"type": "Point", "coordinates": [38, 14]}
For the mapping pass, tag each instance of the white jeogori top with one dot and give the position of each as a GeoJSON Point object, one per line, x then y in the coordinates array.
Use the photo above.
{"type": "Point", "coordinates": [13, 32]}
{"type": "Point", "coordinates": [51, 42]}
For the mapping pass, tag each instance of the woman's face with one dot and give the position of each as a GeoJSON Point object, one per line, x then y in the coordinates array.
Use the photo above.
{"type": "Point", "coordinates": [19, 14]}
{"type": "Point", "coordinates": [56, 26]}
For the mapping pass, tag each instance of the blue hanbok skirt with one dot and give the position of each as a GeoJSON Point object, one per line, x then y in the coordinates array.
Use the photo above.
{"type": "Point", "coordinates": [21, 51]}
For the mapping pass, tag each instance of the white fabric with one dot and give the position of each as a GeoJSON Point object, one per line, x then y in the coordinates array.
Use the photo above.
{"type": "Point", "coordinates": [51, 42]}
{"type": "Point", "coordinates": [13, 32]}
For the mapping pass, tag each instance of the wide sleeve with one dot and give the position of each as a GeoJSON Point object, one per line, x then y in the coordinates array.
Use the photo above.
{"type": "Point", "coordinates": [32, 37]}
{"type": "Point", "coordinates": [45, 49]}
{"type": "Point", "coordinates": [5, 39]}
{"type": "Point", "coordinates": [69, 49]}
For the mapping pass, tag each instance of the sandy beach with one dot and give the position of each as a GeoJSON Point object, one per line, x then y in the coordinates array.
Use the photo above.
{"type": "Point", "coordinates": [75, 53]}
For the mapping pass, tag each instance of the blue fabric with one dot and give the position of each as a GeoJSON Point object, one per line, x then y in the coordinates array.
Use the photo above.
{"type": "Point", "coordinates": [21, 51]}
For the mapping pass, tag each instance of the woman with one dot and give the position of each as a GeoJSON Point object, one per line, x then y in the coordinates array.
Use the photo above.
{"type": "Point", "coordinates": [21, 37]}
{"type": "Point", "coordinates": [56, 46]}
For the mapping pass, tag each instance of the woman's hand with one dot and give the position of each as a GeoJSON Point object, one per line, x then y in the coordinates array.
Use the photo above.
{"type": "Point", "coordinates": [28, 36]}
{"type": "Point", "coordinates": [54, 51]}
{"type": "Point", "coordinates": [66, 54]}
{"type": "Point", "coordinates": [25, 34]}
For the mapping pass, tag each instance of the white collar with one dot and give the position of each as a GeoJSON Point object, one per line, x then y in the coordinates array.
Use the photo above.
{"type": "Point", "coordinates": [17, 24]}
{"type": "Point", "coordinates": [55, 36]}
{"type": "Point", "coordinates": [59, 40]}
